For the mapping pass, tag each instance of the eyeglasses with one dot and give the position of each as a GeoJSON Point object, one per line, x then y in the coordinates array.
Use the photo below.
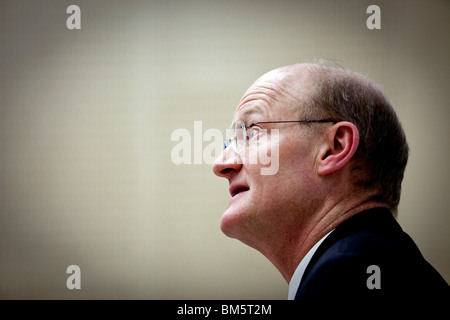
{"type": "Point", "coordinates": [239, 136]}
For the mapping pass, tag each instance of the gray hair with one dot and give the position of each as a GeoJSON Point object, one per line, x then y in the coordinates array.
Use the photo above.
{"type": "Point", "coordinates": [382, 154]}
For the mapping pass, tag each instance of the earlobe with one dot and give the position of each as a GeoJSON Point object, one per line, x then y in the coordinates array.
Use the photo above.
{"type": "Point", "coordinates": [339, 147]}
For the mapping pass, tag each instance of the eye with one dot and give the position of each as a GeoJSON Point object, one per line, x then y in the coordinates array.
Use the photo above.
{"type": "Point", "coordinates": [254, 132]}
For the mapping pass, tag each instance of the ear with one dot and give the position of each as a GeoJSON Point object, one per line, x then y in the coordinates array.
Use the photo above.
{"type": "Point", "coordinates": [338, 148]}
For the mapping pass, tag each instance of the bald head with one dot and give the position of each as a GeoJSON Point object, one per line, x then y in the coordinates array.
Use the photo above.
{"type": "Point", "coordinates": [287, 87]}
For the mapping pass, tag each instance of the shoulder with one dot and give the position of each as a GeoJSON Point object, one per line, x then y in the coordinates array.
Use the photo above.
{"type": "Point", "coordinates": [363, 260]}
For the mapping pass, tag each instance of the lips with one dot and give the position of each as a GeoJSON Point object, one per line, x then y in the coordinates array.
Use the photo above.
{"type": "Point", "coordinates": [235, 189]}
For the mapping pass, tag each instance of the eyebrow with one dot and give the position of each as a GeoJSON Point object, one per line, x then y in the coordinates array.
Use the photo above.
{"type": "Point", "coordinates": [250, 111]}
{"type": "Point", "coordinates": [256, 109]}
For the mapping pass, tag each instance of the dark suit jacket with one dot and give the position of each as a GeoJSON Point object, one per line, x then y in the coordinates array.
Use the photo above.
{"type": "Point", "coordinates": [339, 267]}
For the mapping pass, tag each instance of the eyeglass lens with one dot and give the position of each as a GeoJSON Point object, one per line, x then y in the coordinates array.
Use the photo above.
{"type": "Point", "coordinates": [239, 132]}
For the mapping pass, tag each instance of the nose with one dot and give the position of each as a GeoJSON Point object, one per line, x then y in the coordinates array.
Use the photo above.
{"type": "Point", "coordinates": [227, 163]}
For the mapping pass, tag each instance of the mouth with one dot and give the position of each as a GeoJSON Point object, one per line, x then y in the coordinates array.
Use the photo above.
{"type": "Point", "coordinates": [237, 189]}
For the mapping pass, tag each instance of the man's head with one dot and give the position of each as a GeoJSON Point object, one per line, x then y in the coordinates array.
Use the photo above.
{"type": "Point", "coordinates": [358, 158]}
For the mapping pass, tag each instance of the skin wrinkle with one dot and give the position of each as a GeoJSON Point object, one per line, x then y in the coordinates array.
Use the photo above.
{"type": "Point", "coordinates": [253, 111]}
{"type": "Point", "coordinates": [259, 95]}
{"type": "Point", "coordinates": [274, 91]}
{"type": "Point", "coordinates": [261, 99]}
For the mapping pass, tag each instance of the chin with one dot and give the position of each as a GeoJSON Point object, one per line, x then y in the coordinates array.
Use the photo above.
{"type": "Point", "coordinates": [233, 223]}
{"type": "Point", "coordinates": [229, 224]}
{"type": "Point", "coordinates": [240, 225]}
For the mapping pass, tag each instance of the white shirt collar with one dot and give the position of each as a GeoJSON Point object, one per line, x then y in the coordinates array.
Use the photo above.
{"type": "Point", "coordinates": [298, 274]}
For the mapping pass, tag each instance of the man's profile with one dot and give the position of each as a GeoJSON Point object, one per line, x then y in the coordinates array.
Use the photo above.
{"type": "Point", "coordinates": [326, 218]}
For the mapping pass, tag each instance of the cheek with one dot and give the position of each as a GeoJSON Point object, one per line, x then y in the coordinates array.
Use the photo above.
{"type": "Point", "coordinates": [296, 170]}
{"type": "Point", "coordinates": [271, 192]}
{"type": "Point", "coordinates": [296, 155]}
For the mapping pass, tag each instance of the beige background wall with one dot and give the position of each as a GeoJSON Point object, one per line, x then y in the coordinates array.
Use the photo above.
{"type": "Point", "coordinates": [86, 118]}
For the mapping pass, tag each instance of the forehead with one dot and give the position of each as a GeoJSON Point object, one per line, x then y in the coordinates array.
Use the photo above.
{"type": "Point", "coordinates": [270, 98]}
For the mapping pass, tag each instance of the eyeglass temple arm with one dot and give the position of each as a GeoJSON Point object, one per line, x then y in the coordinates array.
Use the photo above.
{"type": "Point", "coordinates": [292, 121]}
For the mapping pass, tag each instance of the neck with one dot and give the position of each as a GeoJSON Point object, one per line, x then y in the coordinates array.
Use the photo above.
{"type": "Point", "coordinates": [292, 250]}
